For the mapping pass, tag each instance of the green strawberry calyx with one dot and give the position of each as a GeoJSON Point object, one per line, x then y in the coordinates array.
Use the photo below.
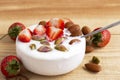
{"type": "Point", "coordinates": [13, 67]}
{"type": "Point", "coordinates": [13, 32]}
{"type": "Point", "coordinates": [97, 38]}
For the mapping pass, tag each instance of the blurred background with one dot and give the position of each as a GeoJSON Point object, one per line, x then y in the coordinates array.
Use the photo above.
{"type": "Point", "coordinates": [83, 12]}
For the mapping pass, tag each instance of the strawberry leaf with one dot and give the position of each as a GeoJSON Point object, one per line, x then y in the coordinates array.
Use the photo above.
{"type": "Point", "coordinates": [13, 67]}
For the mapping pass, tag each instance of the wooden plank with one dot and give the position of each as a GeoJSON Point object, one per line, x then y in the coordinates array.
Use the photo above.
{"type": "Point", "coordinates": [109, 56]}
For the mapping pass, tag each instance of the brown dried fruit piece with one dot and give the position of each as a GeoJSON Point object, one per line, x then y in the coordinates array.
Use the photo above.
{"type": "Point", "coordinates": [44, 42]}
{"type": "Point", "coordinates": [95, 60]}
{"type": "Point", "coordinates": [85, 30]}
{"type": "Point", "coordinates": [61, 48]}
{"type": "Point", "coordinates": [68, 24]}
{"type": "Point", "coordinates": [42, 23]}
{"type": "Point", "coordinates": [44, 48]}
{"type": "Point", "coordinates": [32, 46]}
{"type": "Point", "coordinates": [75, 30]}
{"type": "Point", "coordinates": [74, 41]}
{"type": "Point", "coordinates": [59, 41]}
{"type": "Point", "coordinates": [89, 48]}
{"type": "Point", "coordinates": [93, 67]}
{"type": "Point", "coordinates": [38, 38]}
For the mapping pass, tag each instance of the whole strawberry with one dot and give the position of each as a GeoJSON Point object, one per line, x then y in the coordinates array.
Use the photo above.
{"type": "Point", "coordinates": [101, 39]}
{"type": "Point", "coordinates": [11, 66]}
{"type": "Point", "coordinates": [14, 30]}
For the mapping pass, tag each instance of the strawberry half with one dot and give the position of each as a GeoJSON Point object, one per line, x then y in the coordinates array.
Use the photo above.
{"type": "Point", "coordinates": [25, 35]}
{"type": "Point", "coordinates": [54, 33]}
{"type": "Point", "coordinates": [11, 66]}
{"type": "Point", "coordinates": [101, 39]}
{"type": "Point", "coordinates": [39, 30]}
{"type": "Point", "coordinates": [56, 22]}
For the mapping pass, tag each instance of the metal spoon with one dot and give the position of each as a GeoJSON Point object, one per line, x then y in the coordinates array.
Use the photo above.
{"type": "Point", "coordinates": [101, 29]}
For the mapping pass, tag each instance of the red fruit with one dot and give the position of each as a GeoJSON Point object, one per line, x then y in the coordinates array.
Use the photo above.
{"type": "Point", "coordinates": [25, 36]}
{"type": "Point", "coordinates": [39, 30]}
{"type": "Point", "coordinates": [15, 29]}
{"type": "Point", "coordinates": [53, 33]}
{"type": "Point", "coordinates": [56, 22]}
{"type": "Point", "coordinates": [11, 66]}
{"type": "Point", "coordinates": [101, 39]}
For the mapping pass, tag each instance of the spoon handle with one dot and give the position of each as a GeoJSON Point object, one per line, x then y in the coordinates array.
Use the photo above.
{"type": "Point", "coordinates": [101, 29]}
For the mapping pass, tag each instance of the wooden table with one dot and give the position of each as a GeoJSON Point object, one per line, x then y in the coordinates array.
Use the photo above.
{"type": "Point", "coordinates": [93, 13]}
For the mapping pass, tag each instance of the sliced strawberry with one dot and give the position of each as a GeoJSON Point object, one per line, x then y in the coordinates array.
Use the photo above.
{"type": "Point", "coordinates": [39, 30]}
{"type": "Point", "coordinates": [25, 36]}
{"type": "Point", "coordinates": [56, 22]}
{"type": "Point", "coordinates": [53, 33]}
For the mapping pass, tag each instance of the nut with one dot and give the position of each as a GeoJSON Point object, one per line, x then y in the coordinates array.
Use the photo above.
{"type": "Point", "coordinates": [61, 48]}
{"type": "Point", "coordinates": [89, 48]}
{"type": "Point", "coordinates": [74, 41]}
{"type": "Point", "coordinates": [44, 49]}
{"type": "Point", "coordinates": [59, 41]}
{"type": "Point", "coordinates": [95, 60]}
{"type": "Point", "coordinates": [93, 67]}
{"type": "Point", "coordinates": [42, 23]}
{"type": "Point", "coordinates": [38, 38]}
{"type": "Point", "coordinates": [75, 30]}
{"type": "Point", "coordinates": [45, 42]}
{"type": "Point", "coordinates": [68, 24]}
{"type": "Point", "coordinates": [85, 30]}
{"type": "Point", "coordinates": [32, 46]}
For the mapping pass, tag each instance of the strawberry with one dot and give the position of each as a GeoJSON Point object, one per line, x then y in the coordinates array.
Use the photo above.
{"type": "Point", "coordinates": [14, 30]}
{"type": "Point", "coordinates": [56, 22]}
{"type": "Point", "coordinates": [54, 33]}
{"type": "Point", "coordinates": [25, 35]}
{"type": "Point", "coordinates": [11, 66]}
{"type": "Point", "coordinates": [39, 30]}
{"type": "Point", "coordinates": [101, 39]}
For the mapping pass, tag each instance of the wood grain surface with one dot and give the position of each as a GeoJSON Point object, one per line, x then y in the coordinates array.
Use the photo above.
{"type": "Point", "coordinates": [93, 13]}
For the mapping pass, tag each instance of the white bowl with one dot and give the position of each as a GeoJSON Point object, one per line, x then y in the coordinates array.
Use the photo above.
{"type": "Point", "coordinates": [51, 63]}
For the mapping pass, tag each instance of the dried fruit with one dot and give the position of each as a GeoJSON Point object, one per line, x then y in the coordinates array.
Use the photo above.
{"type": "Point", "coordinates": [85, 30]}
{"type": "Point", "coordinates": [61, 48]}
{"type": "Point", "coordinates": [59, 41]}
{"type": "Point", "coordinates": [89, 48]}
{"type": "Point", "coordinates": [38, 38]}
{"type": "Point", "coordinates": [74, 41]}
{"type": "Point", "coordinates": [44, 42]}
{"type": "Point", "coordinates": [95, 60]}
{"type": "Point", "coordinates": [75, 30]}
{"type": "Point", "coordinates": [42, 23]}
{"type": "Point", "coordinates": [93, 67]}
{"type": "Point", "coordinates": [68, 24]}
{"type": "Point", "coordinates": [32, 46]}
{"type": "Point", "coordinates": [44, 48]}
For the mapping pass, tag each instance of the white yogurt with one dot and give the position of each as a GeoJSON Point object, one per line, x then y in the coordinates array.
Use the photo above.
{"type": "Point", "coordinates": [54, 62]}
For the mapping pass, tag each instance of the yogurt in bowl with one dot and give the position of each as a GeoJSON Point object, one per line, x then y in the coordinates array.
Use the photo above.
{"type": "Point", "coordinates": [54, 62]}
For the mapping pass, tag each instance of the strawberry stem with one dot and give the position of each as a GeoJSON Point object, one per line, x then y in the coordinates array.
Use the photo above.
{"type": "Point", "coordinates": [3, 36]}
